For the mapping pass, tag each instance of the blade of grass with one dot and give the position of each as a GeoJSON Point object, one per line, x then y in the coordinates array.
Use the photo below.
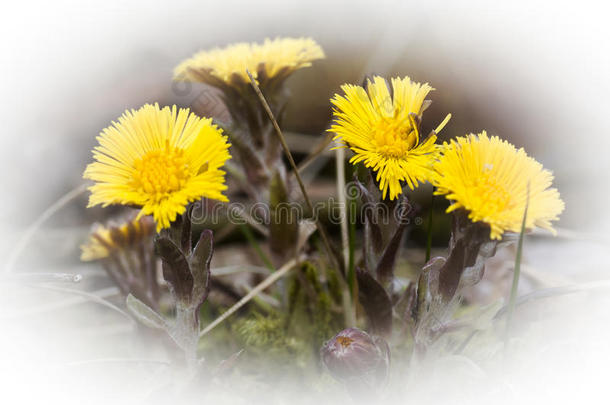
{"type": "Point", "coordinates": [429, 237]}
{"type": "Point", "coordinates": [93, 297]}
{"type": "Point", "coordinates": [295, 169]}
{"type": "Point", "coordinates": [351, 268]}
{"type": "Point", "coordinates": [117, 360]}
{"type": "Point", "coordinates": [554, 292]}
{"type": "Point", "coordinates": [245, 230]}
{"type": "Point", "coordinates": [255, 291]}
{"type": "Point", "coordinates": [538, 295]}
{"type": "Point", "coordinates": [515, 286]}
{"type": "Point", "coordinates": [350, 316]}
{"type": "Point", "coordinates": [320, 148]}
{"type": "Point", "coordinates": [31, 230]}
{"type": "Point", "coordinates": [43, 277]}
{"type": "Point", "coordinates": [236, 209]}
{"type": "Point", "coordinates": [340, 157]}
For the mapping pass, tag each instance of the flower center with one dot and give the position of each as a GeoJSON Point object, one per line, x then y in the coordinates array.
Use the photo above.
{"type": "Point", "coordinates": [393, 137]}
{"type": "Point", "coordinates": [161, 172]}
{"type": "Point", "coordinates": [344, 341]}
{"type": "Point", "coordinates": [491, 194]}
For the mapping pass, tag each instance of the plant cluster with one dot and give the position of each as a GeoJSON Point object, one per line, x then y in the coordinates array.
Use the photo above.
{"type": "Point", "coordinates": [166, 161]}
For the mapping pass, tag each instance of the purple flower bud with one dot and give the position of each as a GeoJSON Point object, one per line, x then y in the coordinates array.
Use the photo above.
{"type": "Point", "coordinates": [355, 356]}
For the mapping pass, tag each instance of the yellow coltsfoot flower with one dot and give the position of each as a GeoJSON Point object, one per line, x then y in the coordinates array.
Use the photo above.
{"type": "Point", "coordinates": [273, 60]}
{"type": "Point", "coordinates": [159, 159]}
{"type": "Point", "coordinates": [491, 179]}
{"type": "Point", "coordinates": [106, 240]}
{"type": "Point", "coordinates": [382, 129]}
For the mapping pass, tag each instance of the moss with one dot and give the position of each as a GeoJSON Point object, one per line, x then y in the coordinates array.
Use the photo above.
{"type": "Point", "coordinates": [259, 332]}
{"type": "Point", "coordinates": [322, 322]}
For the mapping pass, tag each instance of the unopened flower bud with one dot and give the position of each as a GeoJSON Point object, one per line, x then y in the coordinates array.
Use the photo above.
{"type": "Point", "coordinates": [354, 356]}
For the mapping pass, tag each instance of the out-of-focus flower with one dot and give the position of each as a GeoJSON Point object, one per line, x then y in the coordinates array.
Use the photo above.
{"type": "Point", "coordinates": [382, 129]}
{"type": "Point", "coordinates": [353, 356]}
{"type": "Point", "coordinates": [491, 180]}
{"type": "Point", "coordinates": [107, 240]}
{"type": "Point", "coordinates": [125, 250]}
{"type": "Point", "coordinates": [272, 61]}
{"type": "Point", "coordinates": [159, 159]}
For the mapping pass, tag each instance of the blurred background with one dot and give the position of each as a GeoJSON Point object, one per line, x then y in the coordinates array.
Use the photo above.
{"type": "Point", "coordinates": [534, 73]}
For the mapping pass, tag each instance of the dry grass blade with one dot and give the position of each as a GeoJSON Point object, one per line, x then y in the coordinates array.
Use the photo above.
{"type": "Point", "coordinates": [116, 360]}
{"type": "Point", "coordinates": [340, 155]}
{"type": "Point", "coordinates": [554, 292]}
{"type": "Point", "coordinates": [88, 296]}
{"type": "Point", "coordinates": [57, 305]}
{"type": "Point", "coordinates": [251, 221]}
{"type": "Point", "coordinates": [293, 165]}
{"type": "Point", "coordinates": [31, 230]}
{"type": "Point", "coordinates": [32, 277]}
{"type": "Point", "coordinates": [255, 291]}
{"type": "Point", "coordinates": [350, 316]}
{"type": "Point", "coordinates": [320, 148]}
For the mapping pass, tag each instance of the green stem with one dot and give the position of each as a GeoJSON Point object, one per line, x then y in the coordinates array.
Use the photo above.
{"type": "Point", "coordinates": [351, 269]}
{"type": "Point", "coordinates": [252, 240]}
{"type": "Point", "coordinates": [517, 272]}
{"type": "Point", "coordinates": [186, 332]}
{"type": "Point", "coordinates": [429, 238]}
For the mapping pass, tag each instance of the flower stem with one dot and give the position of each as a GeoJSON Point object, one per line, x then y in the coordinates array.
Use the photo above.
{"type": "Point", "coordinates": [187, 332]}
{"type": "Point", "coordinates": [429, 238]}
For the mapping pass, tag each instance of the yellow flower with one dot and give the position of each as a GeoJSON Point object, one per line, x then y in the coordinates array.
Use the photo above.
{"type": "Point", "coordinates": [272, 60]}
{"type": "Point", "coordinates": [490, 178]}
{"type": "Point", "coordinates": [105, 240]}
{"type": "Point", "coordinates": [383, 131]}
{"type": "Point", "coordinates": [160, 160]}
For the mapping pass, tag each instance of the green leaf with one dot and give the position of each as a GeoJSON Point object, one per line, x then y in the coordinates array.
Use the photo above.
{"type": "Point", "coordinates": [283, 225]}
{"type": "Point", "coordinates": [200, 265]}
{"type": "Point", "coordinates": [385, 267]}
{"type": "Point", "coordinates": [376, 303]}
{"type": "Point", "coordinates": [176, 269]}
{"type": "Point", "coordinates": [145, 314]}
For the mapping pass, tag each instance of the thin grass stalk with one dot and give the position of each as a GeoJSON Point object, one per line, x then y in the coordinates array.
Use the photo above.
{"type": "Point", "coordinates": [350, 316]}
{"type": "Point", "coordinates": [46, 214]}
{"type": "Point", "coordinates": [516, 273]}
{"type": "Point", "coordinates": [259, 251]}
{"type": "Point", "coordinates": [351, 265]}
{"type": "Point", "coordinates": [320, 148]}
{"type": "Point", "coordinates": [340, 157]}
{"type": "Point", "coordinates": [255, 291]}
{"type": "Point", "coordinates": [295, 169]}
{"type": "Point", "coordinates": [87, 295]}
{"type": "Point", "coordinates": [429, 236]}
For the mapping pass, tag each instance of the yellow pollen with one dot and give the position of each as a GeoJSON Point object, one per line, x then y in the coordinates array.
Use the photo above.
{"type": "Point", "coordinates": [344, 341]}
{"type": "Point", "coordinates": [489, 192]}
{"type": "Point", "coordinates": [161, 172]}
{"type": "Point", "coordinates": [393, 138]}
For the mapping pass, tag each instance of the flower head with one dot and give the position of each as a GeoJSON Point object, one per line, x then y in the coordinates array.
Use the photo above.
{"type": "Point", "coordinates": [354, 355]}
{"type": "Point", "coordinates": [105, 240]}
{"type": "Point", "coordinates": [159, 159]}
{"type": "Point", "coordinates": [272, 60]}
{"type": "Point", "coordinates": [491, 179]}
{"type": "Point", "coordinates": [382, 129]}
